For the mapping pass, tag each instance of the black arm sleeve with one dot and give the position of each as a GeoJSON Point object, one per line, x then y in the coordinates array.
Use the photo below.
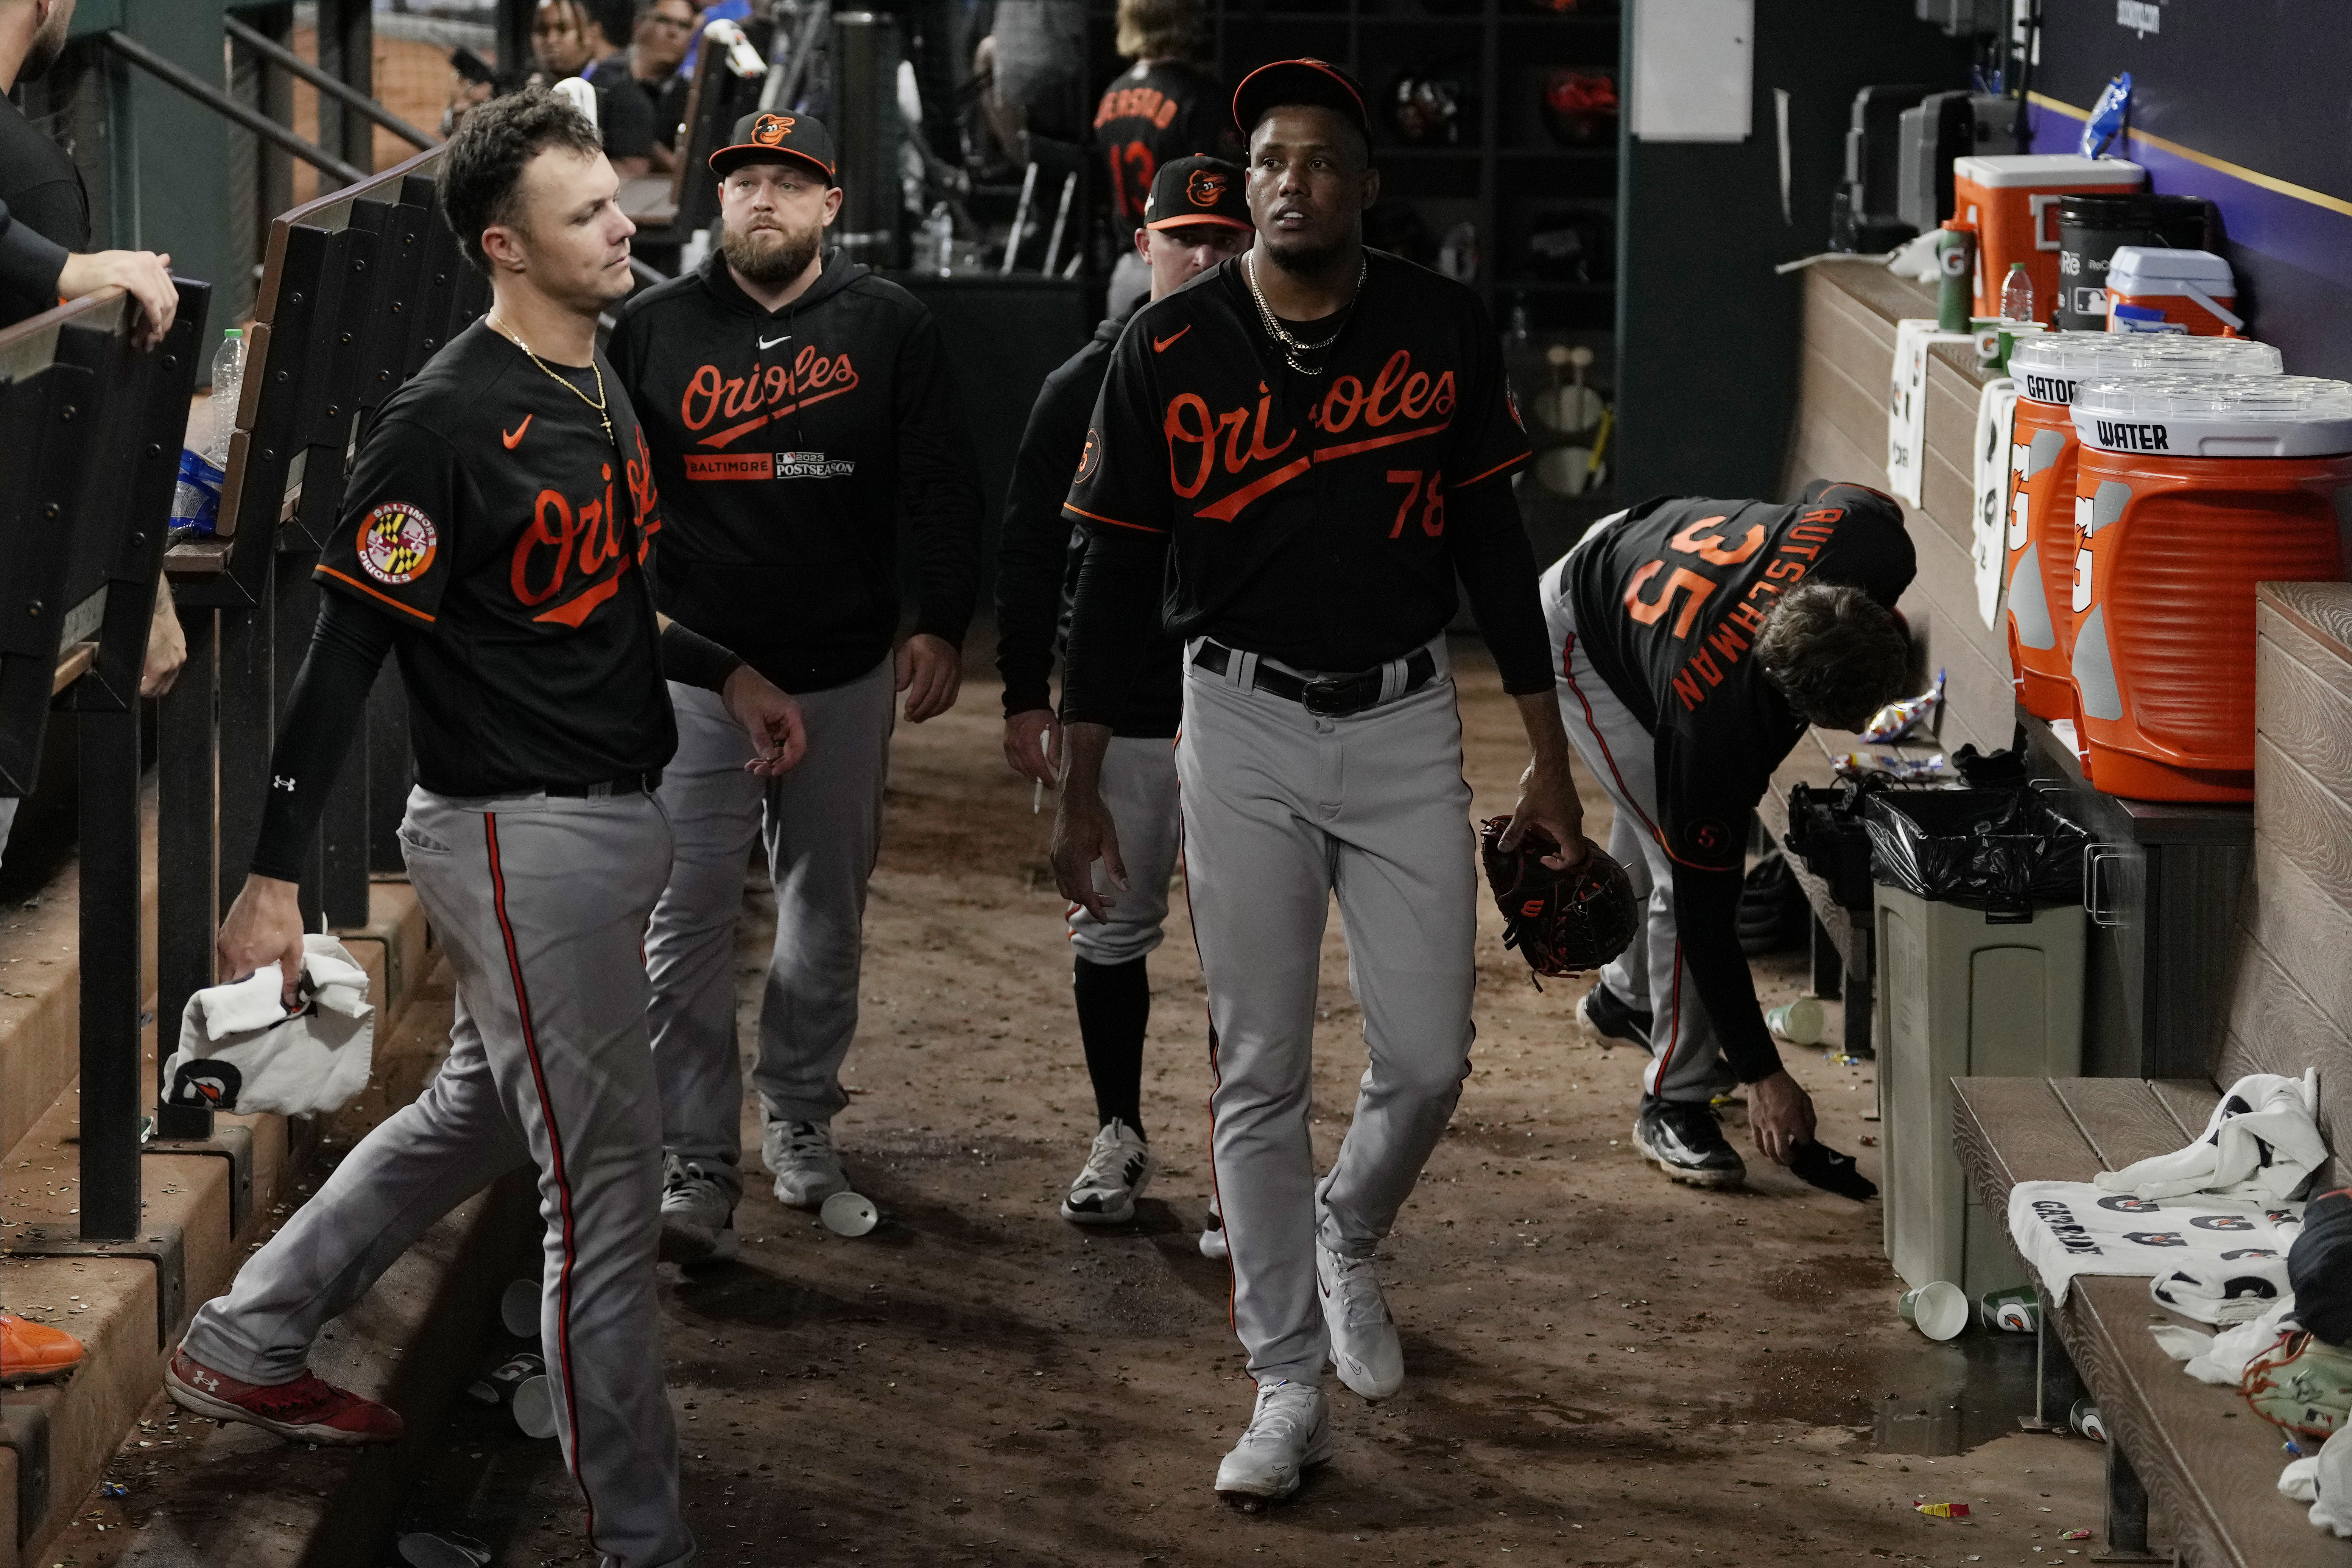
{"type": "Point", "coordinates": [1706, 924]}
{"type": "Point", "coordinates": [323, 713]}
{"type": "Point", "coordinates": [692, 659]}
{"type": "Point", "coordinates": [1113, 623]}
{"type": "Point", "coordinates": [1034, 543]}
{"type": "Point", "coordinates": [30, 260]}
{"type": "Point", "coordinates": [1497, 567]}
{"type": "Point", "coordinates": [938, 478]}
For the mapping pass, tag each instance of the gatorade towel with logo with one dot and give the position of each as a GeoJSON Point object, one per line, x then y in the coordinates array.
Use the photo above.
{"type": "Point", "coordinates": [2011, 201]}
{"type": "Point", "coordinates": [2189, 490]}
{"type": "Point", "coordinates": [2038, 573]}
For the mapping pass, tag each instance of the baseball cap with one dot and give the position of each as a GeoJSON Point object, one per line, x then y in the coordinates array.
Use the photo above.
{"type": "Point", "coordinates": [765, 138]}
{"type": "Point", "coordinates": [1311, 81]}
{"type": "Point", "coordinates": [1196, 190]}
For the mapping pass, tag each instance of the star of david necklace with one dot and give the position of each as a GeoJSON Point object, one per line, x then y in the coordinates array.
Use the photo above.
{"type": "Point", "coordinates": [1288, 343]}
{"type": "Point", "coordinates": [600, 403]}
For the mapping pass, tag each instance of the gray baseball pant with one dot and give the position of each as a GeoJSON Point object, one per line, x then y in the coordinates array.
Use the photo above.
{"type": "Point", "coordinates": [1686, 1060]}
{"type": "Point", "coordinates": [823, 826]}
{"type": "Point", "coordinates": [540, 903]}
{"type": "Point", "coordinates": [1282, 809]}
{"type": "Point", "coordinates": [1138, 785]}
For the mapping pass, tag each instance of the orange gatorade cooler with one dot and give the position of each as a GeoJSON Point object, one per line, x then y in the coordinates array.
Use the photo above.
{"type": "Point", "coordinates": [2038, 573]}
{"type": "Point", "coordinates": [2152, 288]}
{"type": "Point", "coordinates": [2189, 491]}
{"type": "Point", "coordinates": [2011, 201]}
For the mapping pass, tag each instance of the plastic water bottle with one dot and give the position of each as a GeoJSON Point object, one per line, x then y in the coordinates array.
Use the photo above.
{"type": "Point", "coordinates": [228, 383]}
{"type": "Point", "coordinates": [938, 231]}
{"type": "Point", "coordinates": [2017, 295]}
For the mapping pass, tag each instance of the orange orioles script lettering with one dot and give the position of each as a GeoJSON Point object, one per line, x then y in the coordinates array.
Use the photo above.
{"type": "Point", "coordinates": [588, 536]}
{"type": "Point", "coordinates": [1402, 405]}
{"type": "Point", "coordinates": [748, 401]}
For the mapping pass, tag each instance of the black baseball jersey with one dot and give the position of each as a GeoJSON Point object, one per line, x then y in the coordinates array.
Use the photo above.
{"type": "Point", "coordinates": [488, 512]}
{"type": "Point", "coordinates": [1154, 114]}
{"type": "Point", "coordinates": [1668, 601]}
{"type": "Point", "coordinates": [1318, 519]}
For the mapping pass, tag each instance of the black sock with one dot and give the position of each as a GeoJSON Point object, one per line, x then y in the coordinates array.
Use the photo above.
{"type": "Point", "coordinates": [1114, 1007]}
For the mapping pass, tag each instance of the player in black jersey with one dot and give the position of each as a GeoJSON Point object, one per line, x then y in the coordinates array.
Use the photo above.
{"type": "Point", "coordinates": [1196, 218]}
{"type": "Point", "coordinates": [1694, 641]}
{"type": "Point", "coordinates": [496, 533]}
{"type": "Point", "coordinates": [1306, 446]}
{"type": "Point", "coordinates": [1160, 109]}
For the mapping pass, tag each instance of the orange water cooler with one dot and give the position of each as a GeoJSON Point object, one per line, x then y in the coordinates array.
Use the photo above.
{"type": "Point", "coordinates": [2040, 570]}
{"type": "Point", "coordinates": [2011, 201]}
{"type": "Point", "coordinates": [2189, 491]}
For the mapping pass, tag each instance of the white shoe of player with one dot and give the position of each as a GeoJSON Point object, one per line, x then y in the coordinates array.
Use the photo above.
{"type": "Point", "coordinates": [1363, 1336]}
{"type": "Point", "coordinates": [1117, 1169]}
{"type": "Point", "coordinates": [801, 1156]}
{"type": "Point", "coordinates": [698, 1223]}
{"type": "Point", "coordinates": [1289, 1431]}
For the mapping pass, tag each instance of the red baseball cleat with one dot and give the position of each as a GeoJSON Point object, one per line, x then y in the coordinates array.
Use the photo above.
{"type": "Point", "coordinates": [35, 1353]}
{"type": "Point", "coordinates": [306, 1410]}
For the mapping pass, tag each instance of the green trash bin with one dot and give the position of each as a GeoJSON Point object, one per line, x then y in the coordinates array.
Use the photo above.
{"type": "Point", "coordinates": [1978, 902]}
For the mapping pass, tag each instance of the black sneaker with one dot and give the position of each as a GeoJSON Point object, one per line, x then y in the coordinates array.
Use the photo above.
{"type": "Point", "coordinates": [1684, 1140]}
{"type": "Point", "coordinates": [1610, 1022]}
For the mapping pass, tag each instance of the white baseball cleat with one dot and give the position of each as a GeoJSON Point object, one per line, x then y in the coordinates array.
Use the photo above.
{"type": "Point", "coordinates": [1117, 1169]}
{"type": "Point", "coordinates": [800, 1156]}
{"type": "Point", "coordinates": [697, 1222]}
{"type": "Point", "coordinates": [1289, 1431]}
{"type": "Point", "coordinates": [1363, 1336]}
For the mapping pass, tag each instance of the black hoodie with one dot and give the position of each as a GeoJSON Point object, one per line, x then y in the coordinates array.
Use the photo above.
{"type": "Point", "coordinates": [785, 444]}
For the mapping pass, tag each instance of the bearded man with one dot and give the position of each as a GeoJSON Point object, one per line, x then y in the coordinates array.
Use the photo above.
{"type": "Point", "coordinates": [796, 405]}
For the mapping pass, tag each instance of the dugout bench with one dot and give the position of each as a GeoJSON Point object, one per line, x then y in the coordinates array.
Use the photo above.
{"type": "Point", "coordinates": [2198, 1449]}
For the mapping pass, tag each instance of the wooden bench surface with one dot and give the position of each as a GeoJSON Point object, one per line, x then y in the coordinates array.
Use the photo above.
{"type": "Point", "coordinates": [2209, 1460]}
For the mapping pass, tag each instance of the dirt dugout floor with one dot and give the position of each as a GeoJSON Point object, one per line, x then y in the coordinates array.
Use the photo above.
{"type": "Point", "coordinates": [1602, 1368]}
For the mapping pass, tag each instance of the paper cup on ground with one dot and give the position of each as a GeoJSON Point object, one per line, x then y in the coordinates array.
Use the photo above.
{"type": "Point", "coordinates": [1939, 1309]}
{"type": "Point", "coordinates": [2011, 1311]}
{"type": "Point", "coordinates": [1801, 1023]}
{"type": "Point", "coordinates": [519, 1308]}
{"type": "Point", "coordinates": [849, 1214]}
{"type": "Point", "coordinates": [534, 1406]}
{"type": "Point", "coordinates": [2084, 1420]}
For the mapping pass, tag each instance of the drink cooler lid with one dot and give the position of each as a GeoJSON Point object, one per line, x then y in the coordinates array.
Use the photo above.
{"type": "Point", "coordinates": [2216, 416]}
{"type": "Point", "coordinates": [2046, 171]}
{"type": "Point", "coordinates": [2154, 270]}
{"type": "Point", "coordinates": [2075, 357]}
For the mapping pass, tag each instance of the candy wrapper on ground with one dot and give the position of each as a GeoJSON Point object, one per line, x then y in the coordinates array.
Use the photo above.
{"type": "Point", "coordinates": [1902, 770]}
{"type": "Point", "coordinates": [1896, 719]}
{"type": "Point", "coordinates": [1943, 1509]}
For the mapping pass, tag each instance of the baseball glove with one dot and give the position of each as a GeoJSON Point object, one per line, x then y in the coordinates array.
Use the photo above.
{"type": "Point", "coordinates": [1561, 922]}
{"type": "Point", "coordinates": [2301, 1382]}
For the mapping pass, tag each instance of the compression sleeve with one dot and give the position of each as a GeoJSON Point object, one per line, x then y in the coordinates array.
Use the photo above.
{"type": "Point", "coordinates": [30, 260]}
{"type": "Point", "coordinates": [1497, 567]}
{"type": "Point", "coordinates": [692, 659]}
{"type": "Point", "coordinates": [1112, 622]}
{"type": "Point", "coordinates": [324, 713]}
{"type": "Point", "coordinates": [1033, 543]}
{"type": "Point", "coordinates": [1707, 924]}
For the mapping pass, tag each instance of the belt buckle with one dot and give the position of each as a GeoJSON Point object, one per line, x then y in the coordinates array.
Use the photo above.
{"type": "Point", "coordinates": [1330, 696]}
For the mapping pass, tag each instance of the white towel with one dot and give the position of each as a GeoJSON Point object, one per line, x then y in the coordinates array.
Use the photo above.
{"type": "Point", "coordinates": [2065, 1228]}
{"type": "Point", "coordinates": [2241, 1283]}
{"type": "Point", "coordinates": [2330, 1482]}
{"type": "Point", "coordinates": [240, 1051]}
{"type": "Point", "coordinates": [2262, 1143]}
{"type": "Point", "coordinates": [2220, 1359]}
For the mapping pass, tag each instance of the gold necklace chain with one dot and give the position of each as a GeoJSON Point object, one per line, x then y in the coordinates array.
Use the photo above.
{"type": "Point", "coordinates": [1289, 345]}
{"type": "Point", "coordinates": [600, 403]}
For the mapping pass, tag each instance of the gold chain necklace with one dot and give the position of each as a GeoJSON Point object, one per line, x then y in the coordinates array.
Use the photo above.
{"type": "Point", "coordinates": [600, 403]}
{"type": "Point", "coordinates": [1289, 345]}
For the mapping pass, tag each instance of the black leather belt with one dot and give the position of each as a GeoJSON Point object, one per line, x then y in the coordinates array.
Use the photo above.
{"type": "Point", "coordinates": [1327, 696]}
{"type": "Point", "coordinates": [628, 783]}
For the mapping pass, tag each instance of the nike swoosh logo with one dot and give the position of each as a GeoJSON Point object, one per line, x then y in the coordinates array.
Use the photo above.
{"type": "Point", "coordinates": [1159, 346]}
{"type": "Point", "coordinates": [513, 437]}
{"type": "Point", "coordinates": [772, 343]}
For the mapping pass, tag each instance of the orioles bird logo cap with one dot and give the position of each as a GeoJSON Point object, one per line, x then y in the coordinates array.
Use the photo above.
{"type": "Point", "coordinates": [1196, 190]}
{"type": "Point", "coordinates": [773, 138]}
{"type": "Point", "coordinates": [1319, 83]}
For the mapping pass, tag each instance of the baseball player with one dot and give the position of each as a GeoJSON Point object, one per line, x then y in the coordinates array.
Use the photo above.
{"type": "Point", "coordinates": [1160, 109]}
{"type": "Point", "coordinates": [1194, 219]}
{"type": "Point", "coordinates": [1308, 444]}
{"type": "Point", "coordinates": [796, 405]}
{"type": "Point", "coordinates": [1694, 641]}
{"type": "Point", "coordinates": [494, 535]}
